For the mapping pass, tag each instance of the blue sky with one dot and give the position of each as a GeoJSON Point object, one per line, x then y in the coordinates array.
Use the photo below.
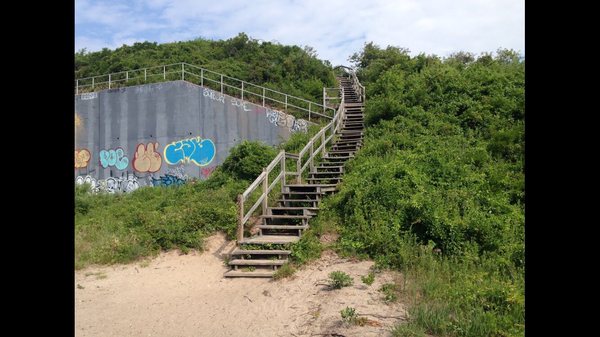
{"type": "Point", "coordinates": [335, 28]}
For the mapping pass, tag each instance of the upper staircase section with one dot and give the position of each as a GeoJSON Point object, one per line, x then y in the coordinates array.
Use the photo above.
{"type": "Point", "coordinates": [231, 86]}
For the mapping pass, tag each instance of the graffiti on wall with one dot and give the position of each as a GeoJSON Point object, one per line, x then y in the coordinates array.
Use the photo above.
{"type": "Point", "coordinates": [114, 158]}
{"type": "Point", "coordinates": [146, 159]}
{"type": "Point", "coordinates": [300, 125]}
{"type": "Point", "coordinates": [166, 180]}
{"type": "Point", "coordinates": [178, 172]}
{"type": "Point", "coordinates": [86, 180]}
{"type": "Point", "coordinates": [90, 95]}
{"type": "Point", "coordinates": [207, 171]}
{"type": "Point", "coordinates": [197, 150]}
{"type": "Point", "coordinates": [240, 103]}
{"type": "Point", "coordinates": [124, 184]}
{"type": "Point", "coordinates": [281, 119]}
{"type": "Point", "coordinates": [215, 96]}
{"type": "Point", "coordinates": [82, 157]}
{"type": "Point", "coordinates": [78, 121]}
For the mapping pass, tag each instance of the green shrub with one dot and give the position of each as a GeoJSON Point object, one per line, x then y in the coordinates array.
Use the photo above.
{"type": "Point", "coordinates": [389, 291]}
{"type": "Point", "coordinates": [368, 279]}
{"type": "Point", "coordinates": [348, 314]}
{"type": "Point", "coordinates": [247, 159]}
{"type": "Point", "coordinates": [286, 270]}
{"type": "Point", "coordinates": [339, 279]}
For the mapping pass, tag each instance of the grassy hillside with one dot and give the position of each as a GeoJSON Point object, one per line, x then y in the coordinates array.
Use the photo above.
{"type": "Point", "coordinates": [437, 191]}
{"type": "Point", "coordinates": [290, 69]}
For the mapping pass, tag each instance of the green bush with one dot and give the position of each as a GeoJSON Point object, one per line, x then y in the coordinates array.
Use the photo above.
{"type": "Point", "coordinates": [247, 160]}
{"type": "Point", "coordinates": [339, 279]}
{"type": "Point", "coordinates": [437, 191]}
{"type": "Point", "coordinates": [348, 314]}
{"type": "Point", "coordinates": [368, 279]}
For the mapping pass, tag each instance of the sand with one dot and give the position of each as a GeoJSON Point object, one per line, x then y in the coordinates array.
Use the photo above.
{"type": "Point", "coordinates": [187, 295]}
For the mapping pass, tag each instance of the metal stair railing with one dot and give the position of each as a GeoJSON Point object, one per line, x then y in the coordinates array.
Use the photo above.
{"type": "Point", "coordinates": [207, 78]}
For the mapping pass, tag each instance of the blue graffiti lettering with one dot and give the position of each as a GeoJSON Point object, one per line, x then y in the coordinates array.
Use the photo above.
{"type": "Point", "coordinates": [197, 150]}
{"type": "Point", "coordinates": [167, 180]}
{"type": "Point", "coordinates": [114, 158]}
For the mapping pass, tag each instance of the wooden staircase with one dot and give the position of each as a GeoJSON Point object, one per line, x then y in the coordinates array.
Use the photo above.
{"type": "Point", "coordinates": [261, 255]}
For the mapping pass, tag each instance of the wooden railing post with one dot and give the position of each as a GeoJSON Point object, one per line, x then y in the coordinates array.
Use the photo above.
{"type": "Point", "coordinates": [283, 171]}
{"type": "Point", "coordinates": [323, 143]}
{"type": "Point", "coordinates": [240, 232]}
{"type": "Point", "coordinates": [265, 202]}
{"type": "Point", "coordinates": [221, 83]}
{"type": "Point", "coordinates": [312, 156]}
{"type": "Point", "coordinates": [298, 170]}
{"type": "Point", "coordinates": [263, 97]}
{"type": "Point", "coordinates": [242, 90]}
{"type": "Point", "coordinates": [309, 104]}
{"type": "Point", "coordinates": [108, 81]}
{"type": "Point", "coordinates": [201, 77]}
{"type": "Point", "coordinates": [164, 72]}
{"type": "Point", "coordinates": [182, 72]}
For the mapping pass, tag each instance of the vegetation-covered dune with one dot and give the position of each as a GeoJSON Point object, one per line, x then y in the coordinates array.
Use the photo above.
{"type": "Point", "coordinates": [437, 191]}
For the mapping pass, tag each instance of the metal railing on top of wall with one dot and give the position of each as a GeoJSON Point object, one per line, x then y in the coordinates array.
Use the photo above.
{"type": "Point", "coordinates": [266, 97]}
{"type": "Point", "coordinates": [315, 146]}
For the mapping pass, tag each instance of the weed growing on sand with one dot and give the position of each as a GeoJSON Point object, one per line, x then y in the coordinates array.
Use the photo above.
{"type": "Point", "coordinates": [286, 270]}
{"type": "Point", "coordinates": [368, 279]}
{"type": "Point", "coordinates": [339, 279]}
{"type": "Point", "coordinates": [350, 316]}
{"type": "Point", "coordinates": [390, 291]}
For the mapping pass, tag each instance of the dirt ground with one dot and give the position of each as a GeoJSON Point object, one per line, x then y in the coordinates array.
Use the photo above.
{"type": "Point", "coordinates": [187, 295]}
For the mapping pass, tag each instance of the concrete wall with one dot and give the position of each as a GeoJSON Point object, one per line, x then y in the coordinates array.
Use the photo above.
{"type": "Point", "coordinates": [163, 133]}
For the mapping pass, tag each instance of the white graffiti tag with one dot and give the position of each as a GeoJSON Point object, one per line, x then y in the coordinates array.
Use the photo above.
{"type": "Point", "coordinates": [240, 103]}
{"type": "Point", "coordinates": [110, 185]}
{"type": "Point", "coordinates": [214, 95]}
{"type": "Point", "coordinates": [281, 119]}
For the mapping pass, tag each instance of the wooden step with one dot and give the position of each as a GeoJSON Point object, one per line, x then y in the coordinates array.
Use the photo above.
{"type": "Point", "coordinates": [270, 239]}
{"type": "Point", "coordinates": [325, 178]}
{"type": "Point", "coordinates": [281, 226]}
{"type": "Point", "coordinates": [296, 200]}
{"type": "Point", "coordinates": [310, 185]}
{"type": "Point", "coordinates": [302, 193]}
{"type": "Point", "coordinates": [238, 251]}
{"type": "Point", "coordinates": [324, 173]}
{"type": "Point", "coordinates": [330, 163]}
{"type": "Point", "coordinates": [281, 216]}
{"type": "Point", "coordinates": [256, 273]}
{"type": "Point", "coordinates": [291, 208]}
{"type": "Point", "coordinates": [256, 262]}
{"type": "Point", "coordinates": [340, 151]}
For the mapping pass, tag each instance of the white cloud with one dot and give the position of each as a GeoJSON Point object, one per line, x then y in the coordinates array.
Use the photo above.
{"type": "Point", "coordinates": [336, 29]}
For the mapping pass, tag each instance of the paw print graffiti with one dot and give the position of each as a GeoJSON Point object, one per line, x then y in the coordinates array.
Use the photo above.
{"type": "Point", "coordinates": [146, 159]}
{"type": "Point", "coordinates": [82, 157]}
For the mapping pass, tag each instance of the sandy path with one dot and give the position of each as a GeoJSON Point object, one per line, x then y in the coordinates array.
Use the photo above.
{"type": "Point", "coordinates": [187, 295]}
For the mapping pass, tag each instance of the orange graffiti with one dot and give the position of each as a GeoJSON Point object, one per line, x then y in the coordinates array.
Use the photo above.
{"type": "Point", "coordinates": [82, 157]}
{"type": "Point", "coordinates": [78, 121]}
{"type": "Point", "coordinates": [146, 159]}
